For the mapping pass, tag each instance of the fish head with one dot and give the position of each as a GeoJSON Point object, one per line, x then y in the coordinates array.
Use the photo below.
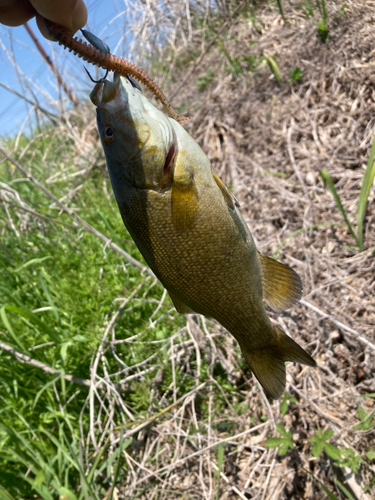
{"type": "Point", "coordinates": [138, 139]}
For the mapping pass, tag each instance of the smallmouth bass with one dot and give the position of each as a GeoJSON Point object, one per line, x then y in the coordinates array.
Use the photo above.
{"type": "Point", "coordinates": [189, 229]}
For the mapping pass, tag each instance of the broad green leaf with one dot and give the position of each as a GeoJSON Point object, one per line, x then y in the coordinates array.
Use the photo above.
{"type": "Point", "coordinates": [327, 434]}
{"type": "Point", "coordinates": [317, 449]}
{"type": "Point", "coordinates": [283, 407]}
{"type": "Point", "coordinates": [273, 442]}
{"type": "Point", "coordinates": [332, 451]}
{"type": "Point", "coordinates": [281, 430]}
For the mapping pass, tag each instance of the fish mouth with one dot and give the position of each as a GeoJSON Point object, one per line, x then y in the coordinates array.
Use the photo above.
{"type": "Point", "coordinates": [103, 92]}
{"type": "Point", "coordinates": [141, 124]}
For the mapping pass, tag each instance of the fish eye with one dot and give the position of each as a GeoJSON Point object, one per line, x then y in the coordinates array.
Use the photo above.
{"type": "Point", "coordinates": [109, 135]}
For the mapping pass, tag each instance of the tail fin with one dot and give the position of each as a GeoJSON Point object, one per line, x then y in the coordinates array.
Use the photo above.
{"type": "Point", "coordinates": [268, 363]}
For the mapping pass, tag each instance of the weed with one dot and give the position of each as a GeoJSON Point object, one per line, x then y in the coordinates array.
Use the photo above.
{"type": "Point", "coordinates": [220, 458]}
{"type": "Point", "coordinates": [349, 459]}
{"type": "Point", "coordinates": [320, 444]}
{"type": "Point", "coordinates": [273, 66]}
{"type": "Point", "coordinates": [206, 79]}
{"type": "Point", "coordinates": [57, 289]}
{"type": "Point", "coordinates": [296, 75]}
{"type": "Point", "coordinates": [308, 9]}
{"type": "Point", "coordinates": [370, 486]}
{"type": "Point", "coordinates": [284, 443]}
{"type": "Point", "coordinates": [362, 200]}
{"type": "Point", "coordinates": [322, 30]}
{"type": "Point", "coordinates": [367, 421]}
{"type": "Point", "coordinates": [234, 63]}
{"type": "Point", "coordinates": [284, 402]}
{"type": "Point", "coordinates": [343, 9]}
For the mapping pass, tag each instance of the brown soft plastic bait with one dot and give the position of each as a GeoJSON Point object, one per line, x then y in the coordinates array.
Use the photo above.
{"type": "Point", "coordinates": [110, 62]}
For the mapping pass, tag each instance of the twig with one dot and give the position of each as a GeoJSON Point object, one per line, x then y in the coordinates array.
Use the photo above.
{"type": "Point", "coordinates": [38, 215]}
{"type": "Point", "coordinates": [10, 220]}
{"type": "Point", "coordinates": [208, 48]}
{"type": "Point", "coordinates": [203, 450]}
{"type": "Point", "coordinates": [236, 490]}
{"type": "Point", "coordinates": [54, 70]}
{"type": "Point", "coordinates": [356, 488]}
{"type": "Point", "coordinates": [338, 323]}
{"type": "Point", "coordinates": [291, 156]}
{"type": "Point", "coordinates": [51, 116]}
{"type": "Point", "coordinates": [22, 358]}
{"type": "Point", "coordinates": [318, 410]}
{"type": "Point", "coordinates": [78, 219]}
{"type": "Point", "coordinates": [269, 474]}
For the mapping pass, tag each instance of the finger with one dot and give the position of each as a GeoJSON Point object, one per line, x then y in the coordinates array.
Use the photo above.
{"type": "Point", "coordinates": [71, 14]}
{"type": "Point", "coordinates": [15, 12]}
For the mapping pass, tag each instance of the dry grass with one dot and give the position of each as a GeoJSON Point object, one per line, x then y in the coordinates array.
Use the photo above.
{"type": "Point", "coordinates": [251, 127]}
{"type": "Point", "coordinates": [269, 142]}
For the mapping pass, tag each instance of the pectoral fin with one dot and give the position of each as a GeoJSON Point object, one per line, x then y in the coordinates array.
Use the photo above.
{"type": "Point", "coordinates": [282, 287]}
{"type": "Point", "coordinates": [229, 197]}
{"type": "Point", "coordinates": [180, 306]}
{"type": "Point", "coordinates": [184, 200]}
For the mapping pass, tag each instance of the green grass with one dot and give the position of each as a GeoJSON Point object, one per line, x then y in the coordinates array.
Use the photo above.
{"type": "Point", "coordinates": [58, 286]}
{"type": "Point", "coordinates": [367, 182]}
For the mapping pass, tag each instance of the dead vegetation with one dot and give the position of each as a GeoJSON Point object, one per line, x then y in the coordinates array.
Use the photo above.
{"type": "Point", "coordinates": [268, 141]}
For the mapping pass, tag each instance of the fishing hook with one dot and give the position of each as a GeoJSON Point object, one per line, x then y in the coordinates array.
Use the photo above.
{"type": "Point", "coordinates": [91, 78]}
{"type": "Point", "coordinates": [98, 44]}
{"type": "Point", "coordinates": [103, 47]}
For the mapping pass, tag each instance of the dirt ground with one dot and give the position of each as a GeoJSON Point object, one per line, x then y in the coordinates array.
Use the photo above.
{"type": "Point", "coordinates": [269, 141]}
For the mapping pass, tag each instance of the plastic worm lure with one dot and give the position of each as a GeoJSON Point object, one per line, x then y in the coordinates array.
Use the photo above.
{"type": "Point", "coordinates": [104, 59]}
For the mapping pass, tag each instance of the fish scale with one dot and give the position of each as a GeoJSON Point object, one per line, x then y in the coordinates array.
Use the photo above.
{"type": "Point", "coordinates": [189, 229]}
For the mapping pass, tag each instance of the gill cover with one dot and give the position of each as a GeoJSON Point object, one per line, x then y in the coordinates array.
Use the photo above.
{"type": "Point", "coordinates": [137, 137]}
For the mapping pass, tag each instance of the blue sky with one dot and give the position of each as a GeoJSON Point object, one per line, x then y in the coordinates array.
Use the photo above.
{"type": "Point", "coordinates": [105, 19]}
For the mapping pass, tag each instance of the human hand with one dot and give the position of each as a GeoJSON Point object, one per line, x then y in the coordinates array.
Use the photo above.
{"type": "Point", "coordinates": [71, 14]}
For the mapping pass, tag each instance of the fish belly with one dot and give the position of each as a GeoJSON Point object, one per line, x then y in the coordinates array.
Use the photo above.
{"type": "Point", "coordinates": [213, 267]}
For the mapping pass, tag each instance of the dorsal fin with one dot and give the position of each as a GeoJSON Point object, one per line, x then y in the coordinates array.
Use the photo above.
{"type": "Point", "coordinates": [229, 197]}
{"type": "Point", "coordinates": [282, 287]}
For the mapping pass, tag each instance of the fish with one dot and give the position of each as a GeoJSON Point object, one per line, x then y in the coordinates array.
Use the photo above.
{"type": "Point", "coordinates": [190, 231]}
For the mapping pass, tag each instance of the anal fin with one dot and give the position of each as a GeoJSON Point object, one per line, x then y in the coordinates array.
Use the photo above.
{"type": "Point", "coordinates": [180, 306]}
{"type": "Point", "coordinates": [282, 287]}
